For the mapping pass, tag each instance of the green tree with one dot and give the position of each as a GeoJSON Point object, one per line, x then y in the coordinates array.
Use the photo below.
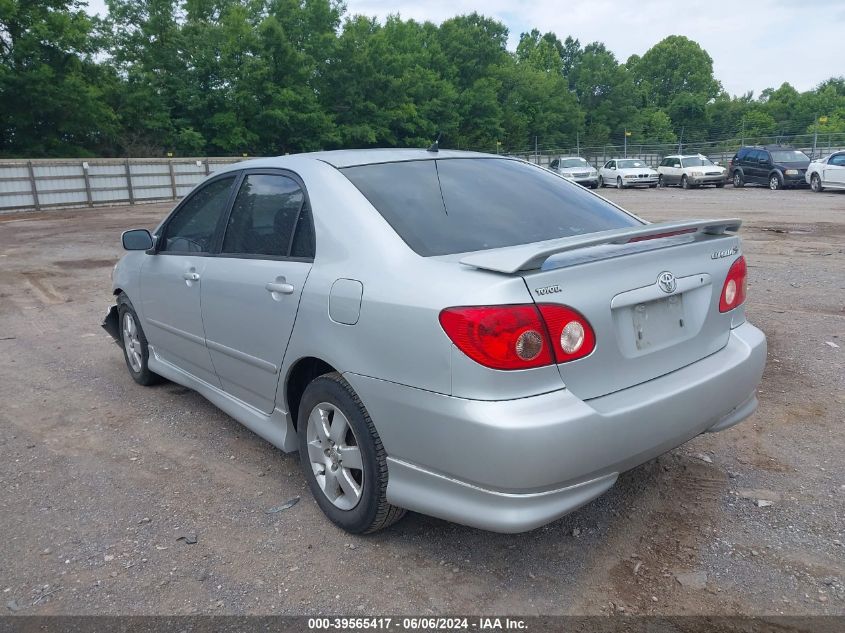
{"type": "Point", "coordinates": [604, 89]}
{"type": "Point", "coordinates": [675, 66]}
{"type": "Point", "coordinates": [50, 84]}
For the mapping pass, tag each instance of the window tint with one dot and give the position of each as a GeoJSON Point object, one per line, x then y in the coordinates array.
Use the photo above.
{"type": "Point", "coordinates": [790, 156]}
{"type": "Point", "coordinates": [555, 163]}
{"type": "Point", "coordinates": [837, 160]}
{"type": "Point", "coordinates": [568, 163]}
{"type": "Point", "coordinates": [192, 229]}
{"type": "Point", "coordinates": [303, 236]}
{"type": "Point", "coordinates": [697, 161]}
{"type": "Point", "coordinates": [630, 164]}
{"type": "Point", "coordinates": [264, 216]}
{"type": "Point", "coordinates": [440, 207]}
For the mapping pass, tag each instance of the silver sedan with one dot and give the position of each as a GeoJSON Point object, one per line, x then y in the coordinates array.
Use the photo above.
{"type": "Point", "coordinates": [463, 335]}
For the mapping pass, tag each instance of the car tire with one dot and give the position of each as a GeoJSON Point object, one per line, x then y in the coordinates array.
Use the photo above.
{"type": "Point", "coordinates": [720, 185]}
{"type": "Point", "coordinates": [136, 351]}
{"type": "Point", "coordinates": [601, 182]}
{"type": "Point", "coordinates": [660, 182]}
{"type": "Point", "coordinates": [816, 183]}
{"type": "Point", "coordinates": [739, 181]}
{"type": "Point", "coordinates": [654, 186]}
{"type": "Point", "coordinates": [775, 182]}
{"type": "Point", "coordinates": [684, 182]}
{"type": "Point", "coordinates": [334, 425]}
{"type": "Point", "coordinates": [619, 184]}
{"type": "Point", "coordinates": [594, 185]}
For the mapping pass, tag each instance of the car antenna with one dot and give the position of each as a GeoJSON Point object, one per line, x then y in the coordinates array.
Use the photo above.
{"type": "Point", "coordinates": [435, 147]}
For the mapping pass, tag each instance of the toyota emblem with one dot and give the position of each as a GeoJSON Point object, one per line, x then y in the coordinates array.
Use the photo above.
{"type": "Point", "coordinates": [666, 281]}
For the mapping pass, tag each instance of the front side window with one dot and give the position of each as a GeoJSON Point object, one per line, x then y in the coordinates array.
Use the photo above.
{"type": "Point", "coordinates": [448, 206]}
{"type": "Point", "coordinates": [265, 217]}
{"type": "Point", "coordinates": [838, 160]}
{"type": "Point", "coordinates": [193, 227]}
{"type": "Point", "coordinates": [610, 164]}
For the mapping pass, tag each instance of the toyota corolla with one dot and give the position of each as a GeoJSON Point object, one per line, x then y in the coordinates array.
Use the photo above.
{"type": "Point", "coordinates": [463, 335]}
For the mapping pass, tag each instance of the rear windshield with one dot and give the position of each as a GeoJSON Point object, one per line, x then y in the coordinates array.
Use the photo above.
{"type": "Point", "coordinates": [457, 205]}
{"type": "Point", "coordinates": [789, 156]}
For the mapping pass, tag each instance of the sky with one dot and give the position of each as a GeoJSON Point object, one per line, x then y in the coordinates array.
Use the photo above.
{"type": "Point", "coordinates": [755, 44]}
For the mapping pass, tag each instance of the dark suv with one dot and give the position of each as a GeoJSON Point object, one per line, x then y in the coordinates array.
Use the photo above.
{"type": "Point", "coordinates": [777, 166]}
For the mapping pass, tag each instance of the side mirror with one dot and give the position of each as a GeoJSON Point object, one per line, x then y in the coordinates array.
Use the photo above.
{"type": "Point", "coordinates": [677, 165]}
{"type": "Point", "coordinates": [613, 168]}
{"type": "Point", "coordinates": [137, 240]}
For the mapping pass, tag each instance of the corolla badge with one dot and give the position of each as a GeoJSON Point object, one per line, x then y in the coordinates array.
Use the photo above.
{"type": "Point", "coordinates": [666, 281]}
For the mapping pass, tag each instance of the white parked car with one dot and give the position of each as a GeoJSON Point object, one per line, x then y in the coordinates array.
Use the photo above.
{"type": "Point", "coordinates": [690, 171]}
{"type": "Point", "coordinates": [576, 169]}
{"type": "Point", "coordinates": [827, 173]}
{"type": "Point", "coordinates": [627, 172]}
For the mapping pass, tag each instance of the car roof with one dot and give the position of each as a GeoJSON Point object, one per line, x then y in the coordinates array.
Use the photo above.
{"type": "Point", "coordinates": [355, 157]}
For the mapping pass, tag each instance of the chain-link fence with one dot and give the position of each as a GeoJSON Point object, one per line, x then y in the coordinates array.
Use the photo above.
{"type": "Point", "coordinates": [814, 146]}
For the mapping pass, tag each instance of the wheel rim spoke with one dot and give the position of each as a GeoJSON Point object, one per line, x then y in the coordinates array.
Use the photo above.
{"type": "Point", "coordinates": [330, 485]}
{"type": "Point", "coordinates": [339, 427]}
{"type": "Point", "coordinates": [350, 457]}
{"type": "Point", "coordinates": [319, 421]}
{"type": "Point", "coordinates": [316, 452]}
{"type": "Point", "coordinates": [349, 486]}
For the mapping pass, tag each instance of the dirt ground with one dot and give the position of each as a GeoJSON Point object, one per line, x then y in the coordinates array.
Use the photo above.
{"type": "Point", "coordinates": [100, 477]}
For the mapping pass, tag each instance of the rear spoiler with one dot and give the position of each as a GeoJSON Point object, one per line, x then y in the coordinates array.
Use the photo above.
{"type": "Point", "coordinates": [513, 259]}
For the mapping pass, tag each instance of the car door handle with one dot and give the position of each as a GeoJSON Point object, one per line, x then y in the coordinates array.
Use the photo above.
{"type": "Point", "coordinates": [191, 276]}
{"type": "Point", "coordinates": [280, 287]}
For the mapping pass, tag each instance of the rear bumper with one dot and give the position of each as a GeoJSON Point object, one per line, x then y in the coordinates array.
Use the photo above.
{"type": "Point", "coordinates": [514, 465]}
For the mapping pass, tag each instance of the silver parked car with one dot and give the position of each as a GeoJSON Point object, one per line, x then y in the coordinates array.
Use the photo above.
{"type": "Point", "coordinates": [463, 335]}
{"type": "Point", "coordinates": [576, 169]}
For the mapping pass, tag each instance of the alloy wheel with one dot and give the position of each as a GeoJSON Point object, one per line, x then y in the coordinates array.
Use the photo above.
{"type": "Point", "coordinates": [335, 456]}
{"type": "Point", "coordinates": [132, 342]}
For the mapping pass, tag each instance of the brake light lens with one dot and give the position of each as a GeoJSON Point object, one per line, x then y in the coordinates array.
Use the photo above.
{"type": "Point", "coordinates": [501, 337]}
{"type": "Point", "coordinates": [735, 288]}
{"type": "Point", "coordinates": [571, 334]}
{"type": "Point", "coordinates": [519, 336]}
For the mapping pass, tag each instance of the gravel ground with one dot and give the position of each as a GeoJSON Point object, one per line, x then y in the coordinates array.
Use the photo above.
{"type": "Point", "coordinates": [100, 477]}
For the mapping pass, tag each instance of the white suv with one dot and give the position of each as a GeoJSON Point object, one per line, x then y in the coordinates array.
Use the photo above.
{"type": "Point", "coordinates": [690, 171]}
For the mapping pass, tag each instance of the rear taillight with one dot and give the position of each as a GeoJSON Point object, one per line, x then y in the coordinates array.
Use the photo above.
{"type": "Point", "coordinates": [571, 334]}
{"type": "Point", "coordinates": [517, 336]}
{"type": "Point", "coordinates": [501, 337]}
{"type": "Point", "coordinates": [736, 283]}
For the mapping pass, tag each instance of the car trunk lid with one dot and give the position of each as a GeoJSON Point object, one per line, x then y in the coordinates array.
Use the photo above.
{"type": "Point", "coordinates": [651, 295]}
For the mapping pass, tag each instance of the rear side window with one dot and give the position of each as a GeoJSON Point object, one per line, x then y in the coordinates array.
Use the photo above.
{"type": "Point", "coordinates": [447, 206]}
{"type": "Point", "coordinates": [265, 216]}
